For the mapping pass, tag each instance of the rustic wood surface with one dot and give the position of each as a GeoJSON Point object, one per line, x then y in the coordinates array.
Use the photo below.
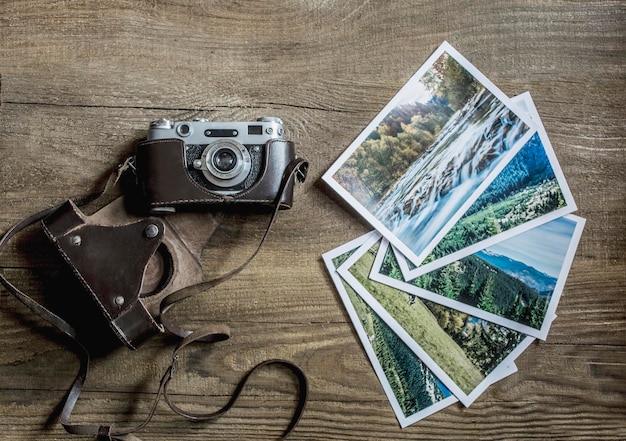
{"type": "Point", "coordinates": [81, 80]}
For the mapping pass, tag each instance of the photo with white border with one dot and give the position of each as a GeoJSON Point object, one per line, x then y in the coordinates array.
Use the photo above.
{"type": "Point", "coordinates": [531, 190]}
{"type": "Point", "coordinates": [430, 153]}
{"type": "Point", "coordinates": [516, 283]}
{"type": "Point", "coordinates": [456, 372]}
{"type": "Point", "coordinates": [411, 388]}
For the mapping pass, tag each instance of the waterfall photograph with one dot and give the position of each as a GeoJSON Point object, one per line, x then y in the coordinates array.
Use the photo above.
{"type": "Point", "coordinates": [430, 153]}
{"type": "Point", "coordinates": [529, 191]}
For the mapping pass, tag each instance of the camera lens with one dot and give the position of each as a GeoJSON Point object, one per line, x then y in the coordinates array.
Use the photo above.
{"type": "Point", "coordinates": [224, 160]}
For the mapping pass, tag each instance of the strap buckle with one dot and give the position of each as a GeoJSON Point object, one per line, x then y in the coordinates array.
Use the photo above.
{"type": "Point", "coordinates": [104, 433]}
{"type": "Point", "coordinates": [301, 171]}
{"type": "Point", "coordinates": [172, 369]}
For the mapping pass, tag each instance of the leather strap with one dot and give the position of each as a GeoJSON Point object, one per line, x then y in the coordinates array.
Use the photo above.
{"type": "Point", "coordinates": [297, 169]}
{"type": "Point", "coordinates": [35, 307]}
{"type": "Point", "coordinates": [215, 333]}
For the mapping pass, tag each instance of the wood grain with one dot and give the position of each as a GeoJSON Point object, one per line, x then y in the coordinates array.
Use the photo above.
{"type": "Point", "coordinates": [81, 80]}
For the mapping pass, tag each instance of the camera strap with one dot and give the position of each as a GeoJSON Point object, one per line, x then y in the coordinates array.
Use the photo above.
{"type": "Point", "coordinates": [297, 169]}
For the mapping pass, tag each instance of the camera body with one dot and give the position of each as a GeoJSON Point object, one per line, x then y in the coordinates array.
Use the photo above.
{"type": "Point", "coordinates": [187, 164]}
{"type": "Point", "coordinates": [226, 157]}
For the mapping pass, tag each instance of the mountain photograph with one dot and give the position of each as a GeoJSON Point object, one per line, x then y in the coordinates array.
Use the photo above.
{"type": "Point", "coordinates": [542, 283]}
{"type": "Point", "coordinates": [514, 279]}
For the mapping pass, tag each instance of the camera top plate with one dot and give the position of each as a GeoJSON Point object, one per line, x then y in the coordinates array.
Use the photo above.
{"type": "Point", "coordinates": [201, 132]}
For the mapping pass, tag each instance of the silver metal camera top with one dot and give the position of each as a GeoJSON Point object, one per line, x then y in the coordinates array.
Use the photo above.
{"type": "Point", "coordinates": [270, 119]}
{"type": "Point", "coordinates": [203, 132]}
{"type": "Point", "coordinates": [162, 124]}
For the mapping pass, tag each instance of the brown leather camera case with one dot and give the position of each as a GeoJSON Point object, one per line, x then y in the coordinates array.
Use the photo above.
{"type": "Point", "coordinates": [162, 173]}
{"type": "Point", "coordinates": [114, 256]}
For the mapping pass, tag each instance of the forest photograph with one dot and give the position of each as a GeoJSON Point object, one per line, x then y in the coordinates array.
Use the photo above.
{"type": "Point", "coordinates": [427, 158]}
{"type": "Point", "coordinates": [467, 350]}
{"type": "Point", "coordinates": [416, 391]}
{"type": "Point", "coordinates": [518, 279]}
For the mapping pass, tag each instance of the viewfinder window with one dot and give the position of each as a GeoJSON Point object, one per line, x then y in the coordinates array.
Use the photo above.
{"type": "Point", "coordinates": [255, 130]}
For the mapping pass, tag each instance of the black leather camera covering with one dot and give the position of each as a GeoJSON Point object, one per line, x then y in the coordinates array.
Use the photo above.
{"type": "Point", "coordinates": [110, 262]}
{"type": "Point", "coordinates": [165, 182]}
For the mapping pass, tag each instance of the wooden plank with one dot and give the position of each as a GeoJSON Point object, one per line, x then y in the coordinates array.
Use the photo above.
{"type": "Point", "coordinates": [79, 83]}
{"type": "Point", "coordinates": [529, 404]}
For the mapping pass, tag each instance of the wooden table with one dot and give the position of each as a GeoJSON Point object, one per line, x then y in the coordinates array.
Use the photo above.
{"type": "Point", "coordinates": [80, 81]}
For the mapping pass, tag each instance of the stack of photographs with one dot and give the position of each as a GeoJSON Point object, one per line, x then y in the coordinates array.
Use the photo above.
{"type": "Point", "coordinates": [473, 239]}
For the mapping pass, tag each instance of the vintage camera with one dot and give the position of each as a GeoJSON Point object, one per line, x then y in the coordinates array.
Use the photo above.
{"type": "Point", "coordinates": [185, 164]}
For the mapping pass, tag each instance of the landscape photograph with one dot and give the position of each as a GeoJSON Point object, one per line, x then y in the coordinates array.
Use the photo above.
{"type": "Point", "coordinates": [464, 348]}
{"type": "Point", "coordinates": [431, 154]}
{"type": "Point", "coordinates": [526, 190]}
{"type": "Point", "coordinates": [518, 279]}
{"type": "Point", "coordinates": [530, 190]}
{"type": "Point", "coordinates": [413, 390]}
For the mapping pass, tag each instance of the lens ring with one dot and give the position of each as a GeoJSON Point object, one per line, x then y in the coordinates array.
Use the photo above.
{"type": "Point", "coordinates": [220, 147]}
{"type": "Point", "coordinates": [238, 169]}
